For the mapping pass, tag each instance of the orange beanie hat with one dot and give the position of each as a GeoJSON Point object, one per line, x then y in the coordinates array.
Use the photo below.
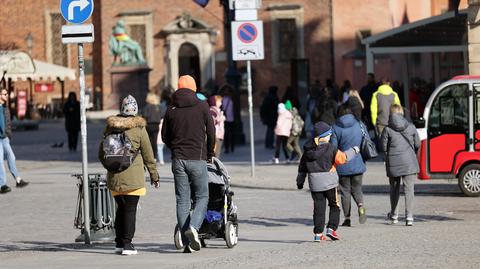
{"type": "Point", "coordinates": [187, 82]}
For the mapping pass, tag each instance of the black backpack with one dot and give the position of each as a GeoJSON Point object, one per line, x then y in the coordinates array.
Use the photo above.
{"type": "Point", "coordinates": [118, 152]}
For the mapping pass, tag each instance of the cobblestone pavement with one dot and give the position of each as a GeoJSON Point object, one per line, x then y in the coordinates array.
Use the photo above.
{"type": "Point", "coordinates": [275, 219]}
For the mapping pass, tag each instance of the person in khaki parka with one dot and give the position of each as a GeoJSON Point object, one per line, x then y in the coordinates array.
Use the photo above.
{"type": "Point", "coordinates": [127, 186]}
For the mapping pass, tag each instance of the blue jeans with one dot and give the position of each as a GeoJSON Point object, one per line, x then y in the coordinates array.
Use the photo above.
{"type": "Point", "coordinates": [191, 182]}
{"type": "Point", "coordinates": [7, 153]}
{"type": "Point", "coordinates": [160, 152]}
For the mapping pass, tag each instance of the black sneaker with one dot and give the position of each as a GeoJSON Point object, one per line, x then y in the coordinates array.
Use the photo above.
{"type": "Point", "coordinates": [22, 183]}
{"type": "Point", "coordinates": [129, 249]}
{"type": "Point", "coordinates": [346, 223]}
{"type": "Point", "coordinates": [5, 189]}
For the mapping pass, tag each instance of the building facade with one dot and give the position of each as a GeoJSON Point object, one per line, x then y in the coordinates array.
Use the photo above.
{"type": "Point", "coordinates": [305, 40]}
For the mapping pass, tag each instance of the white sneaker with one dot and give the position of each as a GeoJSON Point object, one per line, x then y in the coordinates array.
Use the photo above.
{"type": "Point", "coordinates": [276, 161]}
{"type": "Point", "coordinates": [392, 218]}
{"type": "Point", "coordinates": [118, 250]}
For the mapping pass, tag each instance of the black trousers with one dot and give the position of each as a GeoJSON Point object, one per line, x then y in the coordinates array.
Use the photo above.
{"type": "Point", "coordinates": [152, 130]}
{"type": "Point", "coordinates": [269, 137]}
{"type": "Point", "coordinates": [319, 205]}
{"type": "Point", "coordinates": [281, 141]}
{"type": "Point", "coordinates": [72, 140]}
{"type": "Point", "coordinates": [125, 218]}
{"type": "Point", "coordinates": [229, 137]}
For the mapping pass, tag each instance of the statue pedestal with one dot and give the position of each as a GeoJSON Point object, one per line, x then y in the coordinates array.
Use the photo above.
{"type": "Point", "coordinates": [126, 80]}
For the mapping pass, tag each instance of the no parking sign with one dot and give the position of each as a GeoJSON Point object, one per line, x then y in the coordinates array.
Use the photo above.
{"type": "Point", "coordinates": [247, 40]}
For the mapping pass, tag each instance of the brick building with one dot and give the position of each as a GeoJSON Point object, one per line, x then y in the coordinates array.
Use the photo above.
{"type": "Point", "coordinates": [305, 40]}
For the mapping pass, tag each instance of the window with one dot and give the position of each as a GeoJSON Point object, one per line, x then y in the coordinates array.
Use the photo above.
{"type": "Point", "coordinates": [287, 35]}
{"type": "Point", "coordinates": [139, 26]}
{"type": "Point", "coordinates": [59, 51]}
{"type": "Point", "coordinates": [477, 105]}
{"type": "Point", "coordinates": [449, 112]}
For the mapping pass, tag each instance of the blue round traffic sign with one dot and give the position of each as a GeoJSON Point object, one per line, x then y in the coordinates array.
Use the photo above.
{"type": "Point", "coordinates": [247, 32]}
{"type": "Point", "coordinates": [76, 11]}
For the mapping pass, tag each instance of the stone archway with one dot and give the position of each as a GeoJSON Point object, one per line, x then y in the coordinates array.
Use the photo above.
{"type": "Point", "coordinates": [189, 62]}
{"type": "Point", "coordinates": [193, 35]}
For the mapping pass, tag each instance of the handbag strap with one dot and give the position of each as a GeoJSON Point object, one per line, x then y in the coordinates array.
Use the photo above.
{"type": "Point", "coordinates": [408, 141]}
{"type": "Point", "coordinates": [364, 134]}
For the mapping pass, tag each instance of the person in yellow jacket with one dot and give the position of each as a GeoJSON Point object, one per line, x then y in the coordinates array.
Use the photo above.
{"type": "Point", "coordinates": [380, 105]}
{"type": "Point", "coordinates": [127, 186]}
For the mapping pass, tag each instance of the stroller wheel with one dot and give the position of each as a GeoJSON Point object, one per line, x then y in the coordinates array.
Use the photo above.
{"type": "Point", "coordinates": [177, 238]}
{"type": "Point", "coordinates": [203, 243]}
{"type": "Point", "coordinates": [231, 234]}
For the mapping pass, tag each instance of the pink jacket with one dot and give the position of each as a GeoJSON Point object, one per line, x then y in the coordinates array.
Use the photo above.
{"type": "Point", "coordinates": [218, 120]}
{"type": "Point", "coordinates": [284, 123]}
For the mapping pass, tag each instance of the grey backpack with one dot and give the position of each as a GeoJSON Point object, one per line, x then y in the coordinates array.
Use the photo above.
{"type": "Point", "coordinates": [118, 152]}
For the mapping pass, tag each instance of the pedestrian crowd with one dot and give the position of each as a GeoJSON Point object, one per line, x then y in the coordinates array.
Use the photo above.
{"type": "Point", "coordinates": [336, 124]}
{"type": "Point", "coordinates": [344, 128]}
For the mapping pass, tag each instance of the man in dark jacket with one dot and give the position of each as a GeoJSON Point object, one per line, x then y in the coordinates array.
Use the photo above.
{"type": "Point", "coordinates": [5, 148]}
{"type": "Point", "coordinates": [366, 94]}
{"type": "Point", "coordinates": [268, 114]}
{"type": "Point", "coordinates": [189, 132]}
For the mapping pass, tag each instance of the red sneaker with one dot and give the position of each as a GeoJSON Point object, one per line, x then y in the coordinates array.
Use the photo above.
{"type": "Point", "coordinates": [332, 234]}
{"type": "Point", "coordinates": [319, 237]}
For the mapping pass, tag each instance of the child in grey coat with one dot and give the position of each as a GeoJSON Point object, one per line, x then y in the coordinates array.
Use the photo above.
{"type": "Point", "coordinates": [400, 142]}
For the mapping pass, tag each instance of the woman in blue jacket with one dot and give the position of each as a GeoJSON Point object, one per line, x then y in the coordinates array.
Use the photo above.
{"type": "Point", "coordinates": [347, 134]}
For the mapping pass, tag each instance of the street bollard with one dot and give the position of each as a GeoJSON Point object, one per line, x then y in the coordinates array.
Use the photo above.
{"type": "Point", "coordinates": [102, 209]}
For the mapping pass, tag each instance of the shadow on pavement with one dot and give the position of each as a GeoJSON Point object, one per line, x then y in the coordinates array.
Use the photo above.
{"type": "Point", "coordinates": [281, 222]}
{"type": "Point", "coordinates": [97, 248]}
{"type": "Point", "coordinates": [418, 218]}
{"type": "Point", "coordinates": [437, 189]}
{"type": "Point", "coordinates": [273, 241]}
{"type": "Point", "coordinates": [303, 221]}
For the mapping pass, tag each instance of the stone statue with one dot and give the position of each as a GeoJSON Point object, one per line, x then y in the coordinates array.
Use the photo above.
{"type": "Point", "coordinates": [125, 50]}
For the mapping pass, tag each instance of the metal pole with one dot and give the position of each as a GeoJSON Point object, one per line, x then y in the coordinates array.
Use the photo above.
{"type": "Point", "coordinates": [83, 119]}
{"type": "Point", "coordinates": [250, 112]}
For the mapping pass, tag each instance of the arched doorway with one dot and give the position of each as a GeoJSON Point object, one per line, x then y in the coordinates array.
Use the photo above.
{"type": "Point", "coordinates": [189, 62]}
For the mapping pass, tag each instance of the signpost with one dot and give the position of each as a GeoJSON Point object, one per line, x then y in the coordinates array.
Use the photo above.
{"type": "Point", "coordinates": [77, 12]}
{"type": "Point", "coordinates": [247, 45]}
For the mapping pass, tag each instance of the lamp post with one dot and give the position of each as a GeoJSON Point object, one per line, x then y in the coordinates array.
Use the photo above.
{"type": "Point", "coordinates": [232, 75]}
{"type": "Point", "coordinates": [29, 41]}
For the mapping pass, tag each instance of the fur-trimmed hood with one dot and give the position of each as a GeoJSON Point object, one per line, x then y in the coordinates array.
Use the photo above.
{"type": "Point", "coordinates": [125, 123]}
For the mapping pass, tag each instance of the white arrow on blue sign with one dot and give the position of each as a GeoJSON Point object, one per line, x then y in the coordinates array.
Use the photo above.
{"type": "Point", "coordinates": [76, 11]}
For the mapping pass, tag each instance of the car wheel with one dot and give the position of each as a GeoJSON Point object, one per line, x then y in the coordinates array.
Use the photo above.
{"type": "Point", "coordinates": [469, 180]}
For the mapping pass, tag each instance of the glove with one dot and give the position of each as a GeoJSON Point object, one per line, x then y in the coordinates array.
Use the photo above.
{"type": "Point", "coordinates": [356, 149]}
{"type": "Point", "coordinates": [155, 183]}
{"type": "Point", "coordinates": [299, 186]}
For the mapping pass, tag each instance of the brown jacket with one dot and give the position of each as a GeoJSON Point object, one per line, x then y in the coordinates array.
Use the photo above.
{"type": "Point", "coordinates": [134, 177]}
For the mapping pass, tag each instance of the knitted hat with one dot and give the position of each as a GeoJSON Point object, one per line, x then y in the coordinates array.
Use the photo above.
{"type": "Point", "coordinates": [187, 82]}
{"type": "Point", "coordinates": [322, 129]}
{"type": "Point", "coordinates": [129, 106]}
{"type": "Point", "coordinates": [288, 105]}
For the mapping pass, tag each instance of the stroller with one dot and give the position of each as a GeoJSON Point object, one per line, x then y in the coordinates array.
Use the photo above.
{"type": "Point", "coordinates": [221, 218]}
